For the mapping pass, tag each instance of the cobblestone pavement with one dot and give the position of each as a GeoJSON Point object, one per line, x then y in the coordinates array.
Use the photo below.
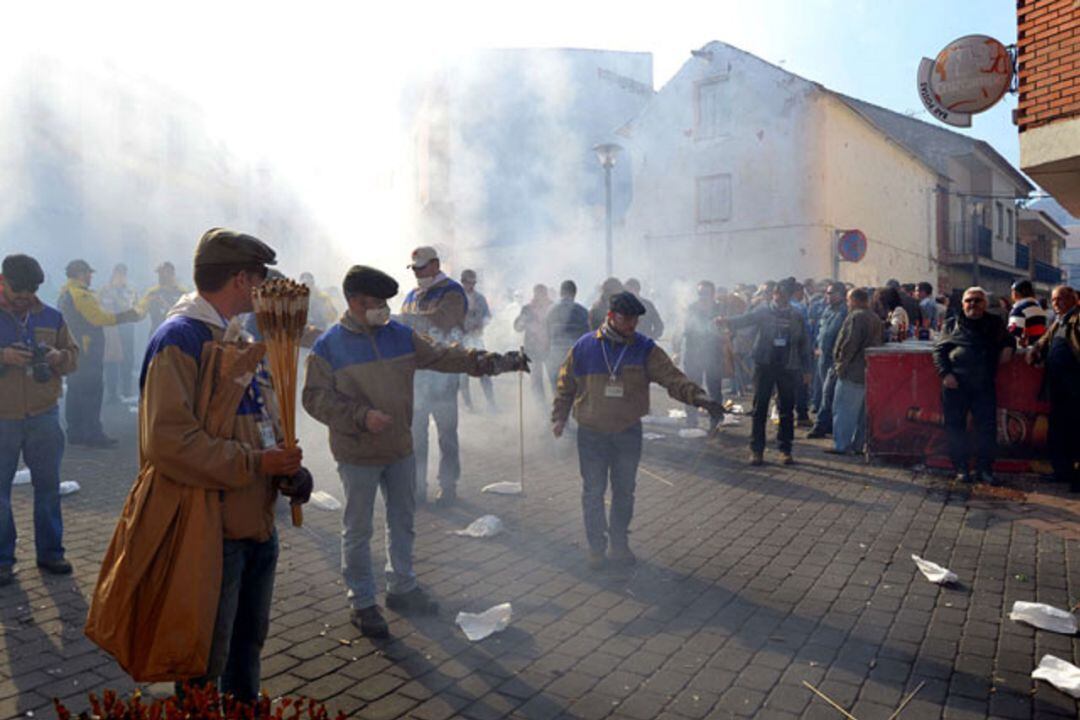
{"type": "Point", "coordinates": [750, 581]}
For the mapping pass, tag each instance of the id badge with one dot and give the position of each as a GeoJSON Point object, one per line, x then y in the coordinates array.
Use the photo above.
{"type": "Point", "coordinates": [779, 342]}
{"type": "Point", "coordinates": [613, 390]}
{"type": "Point", "coordinates": [266, 434]}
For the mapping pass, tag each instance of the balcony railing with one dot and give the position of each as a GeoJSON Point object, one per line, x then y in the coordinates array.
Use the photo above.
{"type": "Point", "coordinates": [963, 237]}
{"type": "Point", "coordinates": [1047, 273]}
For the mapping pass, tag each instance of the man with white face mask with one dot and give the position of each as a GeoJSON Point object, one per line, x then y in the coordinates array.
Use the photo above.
{"type": "Point", "coordinates": [360, 384]}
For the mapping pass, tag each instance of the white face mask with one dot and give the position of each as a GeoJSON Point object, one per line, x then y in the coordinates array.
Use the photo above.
{"type": "Point", "coordinates": [425, 282]}
{"type": "Point", "coordinates": [378, 316]}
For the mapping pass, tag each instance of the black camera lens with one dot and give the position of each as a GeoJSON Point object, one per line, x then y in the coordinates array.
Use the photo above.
{"type": "Point", "coordinates": [40, 366]}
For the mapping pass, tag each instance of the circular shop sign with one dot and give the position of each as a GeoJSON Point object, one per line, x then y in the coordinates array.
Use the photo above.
{"type": "Point", "coordinates": [852, 245]}
{"type": "Point", "coordinates": [971, 74]}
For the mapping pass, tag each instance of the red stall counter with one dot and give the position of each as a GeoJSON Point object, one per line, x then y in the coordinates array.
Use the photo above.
{"type": "Point", "coordinates": [905, 422]}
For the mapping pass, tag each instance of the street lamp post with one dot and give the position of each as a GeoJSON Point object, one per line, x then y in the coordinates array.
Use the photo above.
{"type": "Point", "coordinates": [606, 154]}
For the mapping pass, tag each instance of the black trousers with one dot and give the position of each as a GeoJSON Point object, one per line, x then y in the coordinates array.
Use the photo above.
{"type": "Point", "coordinates": [82, 404]}
{"type": "Point", "coordinates": [980, 400]}
{"type": "Point", "coordinates": [1064, 421]}
{"type": "Point", "coordinates": [767, 377]}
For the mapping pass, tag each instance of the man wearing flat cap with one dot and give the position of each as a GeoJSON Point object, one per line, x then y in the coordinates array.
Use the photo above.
{"type": "Point", "coordinates": [436, 307]}
{"type": "Point", "coordinates": [605, 380]}
{"type": "Point", "coordinates": [219, 452]}
{"type": "Point", "coordinates": [87, 321]}
{"type": "Point", "coordinates": [36, 351]}
{"type": "Point", "coordinates": [360, 384]}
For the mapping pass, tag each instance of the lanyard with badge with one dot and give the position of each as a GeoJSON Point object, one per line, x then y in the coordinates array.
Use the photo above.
{"type": "Point", "coordinates": [614, 386]}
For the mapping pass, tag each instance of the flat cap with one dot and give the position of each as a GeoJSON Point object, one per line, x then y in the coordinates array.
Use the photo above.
{"type": "Point", "coordinates": [219, 246]}
{"type": "Point", "coordinates": [625, 303]}
{"type": "Point", "coordinates": [468, 276]}
{"type": "Point", "coordinates": [165, 266]}
{"type": "Point", "coordinates": [22, 273]}
{"type": "Point", "coordinates": [364, 280]}
{"type": "Point", "coordinates": [78, 267]}
{"type": "Point", "coordinates": [422, 255]}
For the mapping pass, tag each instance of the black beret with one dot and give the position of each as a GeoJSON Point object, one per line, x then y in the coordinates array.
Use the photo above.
{"type": "Point", "coordinates": [625, 303]}
{"type": "Point", "coordinates": [364, 280]}
{"type": "Point", "coordinates": [219, 246]}
{"type": "Point", "coordinates": [22, 273]}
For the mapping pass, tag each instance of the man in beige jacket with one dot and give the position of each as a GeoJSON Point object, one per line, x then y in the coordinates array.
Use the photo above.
{"type": "Point", "coordinates": [360, 384]}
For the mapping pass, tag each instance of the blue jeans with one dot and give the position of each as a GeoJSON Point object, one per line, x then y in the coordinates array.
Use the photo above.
{"type": "Point", "coordinates": [40, 441]}
{"type": "Point", "coordinates": [243, 617]}
{"type": "Point", "coordinates": [436, 397]}
{"type": "Point", "coordinates": [361, 483]}
{"type": "Point", "coordinates": [824, 420]}
{"type": "Point", "coordinates": [849, 416]}
{"type": "Point", "coordinates": [608, 457]}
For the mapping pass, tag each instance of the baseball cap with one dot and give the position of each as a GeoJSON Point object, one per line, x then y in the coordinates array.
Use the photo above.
{"type": "Point", "coordinates": [422, 255]}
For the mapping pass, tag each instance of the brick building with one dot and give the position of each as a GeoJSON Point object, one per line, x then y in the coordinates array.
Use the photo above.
{"type": "Point", "coordinates": [1048, 115]}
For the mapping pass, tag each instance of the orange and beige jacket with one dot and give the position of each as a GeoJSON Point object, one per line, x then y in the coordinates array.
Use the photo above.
{"type": "Point", "coordinates": [354, 368]}
{"type": "Point", "coordinates": [24, 397]}
{"type": "Point", "coordinates": [586, 373]}
{"type": "Point", "coordinates": [173, 440]}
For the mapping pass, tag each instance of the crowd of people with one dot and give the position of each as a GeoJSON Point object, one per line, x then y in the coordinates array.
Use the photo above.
{"type": "Point", "coordinates": [210, 439]}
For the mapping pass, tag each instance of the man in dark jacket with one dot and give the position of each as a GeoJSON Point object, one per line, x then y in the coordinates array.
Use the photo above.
{"type": "Point", "coordinates": [1059, 348]}
{"type": "Point", "coordinates": [703, 345]}
{"type": "Point", "coordinates": [650, 325]}
{"type": "Point", "coordinates": [566, 322]}
{"type": "Point", "coordinates": [781, 351]}
{"type": "Point", "coordinates": [967, 355]}
{"type": "Point", "coordinates": [829, 324]}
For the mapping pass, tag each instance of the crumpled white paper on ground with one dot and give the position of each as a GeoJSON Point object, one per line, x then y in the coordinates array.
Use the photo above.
{"type": "Point", "coordinates": [653, 436]}
{"type": "Point", "coordinates": [934, 572]}
{"type": "Point", "coordinates": [478, 626]}
{"type": "Point", "coordinates": [325, 501]}
{"type": "Point", "coordinates": [677, 414]}
{"type": "Point", "coordinates": [69, 486]}
{"type": "Point", "coordinates": [1044, 617]}
{"type": "Point", "coordinates": [730, 420]}
{"type": "Point", "coordinates": [22, 477]}
{"type": "Point", "coordinates": [482, 527]}
{"type": "Point", "coordinates": [1063, 675]}
{"type": "Point", "coordinates": [693, 433]}
{"type": "Point", "coordinates": [503, 488]}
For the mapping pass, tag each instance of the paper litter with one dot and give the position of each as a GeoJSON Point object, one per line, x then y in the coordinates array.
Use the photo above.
{"type": "Point", "coordinates": [482, 527]}
{"type": "Point", "coordinates": [478, 626]}
{"type": "Point", "coordinates": [677, 414]}
{"type": "Point", "coordinates": [325, 501]}
{"type": "Point", "coordinates": [503, 488]}
{"type": "Point", "coordinates": [693, 433]}
{"type": "Point", "coordinates": [738, 409]}
{"type": "Point", "coordinates": [69, 486]}
{"type": "Point", "coordinates": [934, 572]}
{"type": "Point", "coordinates": [22, 477]}
{"type": "Point", "coordinates": [653, 436]}
{"type": "Point", "coordinates": [1063, 675]}
{"type": "Point", "coordinates": [1044, 617]}
{"type": "Point", "coordinates": [729, 420]}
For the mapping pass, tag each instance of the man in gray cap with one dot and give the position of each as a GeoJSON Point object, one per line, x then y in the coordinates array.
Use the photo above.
{"type": "Point", "coordinates": [605, 381]}
{"type": "Point", "coordinates": [360, 384]}
{"type": "Point", "coordinates": [437, 308]}
{"type": "Point", "coordinates": [87, 321]}
{"type": "Point", "coordinates": [477, 316]}
{"type": "Point", "coordinates": [245, 466]}
{"type": "Point", "coordinates": [159, 299]}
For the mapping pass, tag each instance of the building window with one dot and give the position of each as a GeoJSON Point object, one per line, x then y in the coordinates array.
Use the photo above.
{"type": "Point", "coordinates": [1000, 221]}
{"type": "Point", "coordinates": [713, 109]}
{"type": "Point", "coordinates": [1010, 235]}
{"type": "Point", "coordinates": [713, 199]}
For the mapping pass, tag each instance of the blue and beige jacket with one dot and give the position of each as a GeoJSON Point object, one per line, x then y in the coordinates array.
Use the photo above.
{"type": "Point", "coordinates": [23, 396]}
{"type": "Point", "coordinates": [438, 311]}
{"type": "Point", "coordinates": [354, 368]}
{"type": "Point", "coordinates": [635, 362]}
{"type": "Point", "coordinates": [172, 438]}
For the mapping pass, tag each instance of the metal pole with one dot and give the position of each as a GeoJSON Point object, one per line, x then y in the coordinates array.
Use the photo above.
{"type": "Point", "coordinates": [836, 256]}
{"type": "Point", "coordinates": [610, 263]}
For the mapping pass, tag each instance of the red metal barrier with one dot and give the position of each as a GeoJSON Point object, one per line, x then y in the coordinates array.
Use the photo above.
{"type": "Point", "coordinates": [904, 419]}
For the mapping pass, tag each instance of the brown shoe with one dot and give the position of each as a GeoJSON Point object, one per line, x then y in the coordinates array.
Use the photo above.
{"type": "Point", "coordinates": [757, 458]}
{"type": "Point", "coordinates": [786, 459]}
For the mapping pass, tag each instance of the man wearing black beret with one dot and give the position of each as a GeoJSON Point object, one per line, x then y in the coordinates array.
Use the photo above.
{"type": "Point", "coordinates": [605, 382]}
{"type": "Point", "coordinates": [360, 385]}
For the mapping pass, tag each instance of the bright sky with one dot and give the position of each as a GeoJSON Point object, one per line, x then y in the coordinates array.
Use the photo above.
{"type": "Point", "coordinates": [314, 86]}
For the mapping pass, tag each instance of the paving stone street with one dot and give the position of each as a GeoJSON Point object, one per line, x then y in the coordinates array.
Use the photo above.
{"type": "Point", "coordinates": [750, 581]}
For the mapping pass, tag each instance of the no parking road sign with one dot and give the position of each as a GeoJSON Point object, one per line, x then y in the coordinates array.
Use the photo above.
{"type": "Point", "coordinates": [851, 246]}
